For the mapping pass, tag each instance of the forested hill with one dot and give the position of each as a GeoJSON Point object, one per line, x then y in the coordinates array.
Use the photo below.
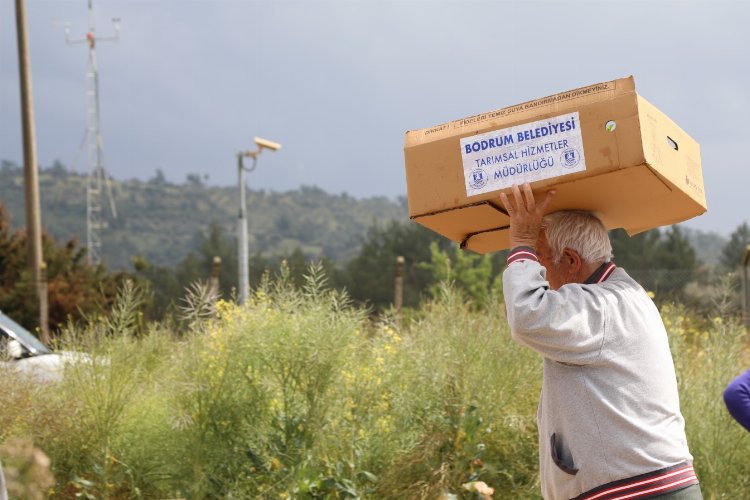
{"type": "Point", "coordinates": [160, 220]}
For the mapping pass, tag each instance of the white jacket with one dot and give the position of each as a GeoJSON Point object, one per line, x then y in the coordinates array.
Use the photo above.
{"type": "Point", "coordinates": [609, 408]}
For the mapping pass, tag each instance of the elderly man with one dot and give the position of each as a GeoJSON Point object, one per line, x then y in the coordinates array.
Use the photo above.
{"type": "Point", "coordinates": [609, 416]}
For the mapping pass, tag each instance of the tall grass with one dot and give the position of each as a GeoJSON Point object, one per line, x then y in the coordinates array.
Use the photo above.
{"type": "Point", "coordinates": [298, 394]}
{"type": "Point", "coordinates": [709, 354]}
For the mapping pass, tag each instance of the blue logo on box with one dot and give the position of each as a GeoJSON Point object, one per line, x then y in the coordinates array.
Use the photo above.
{"type": "Point", "coordinates": [478, 178]}
{"type": "Point", "coordinates": [570, 158]}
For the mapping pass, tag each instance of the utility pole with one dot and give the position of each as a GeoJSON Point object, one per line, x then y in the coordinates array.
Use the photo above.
{"type": "Point", "coordinates": [30, 169]}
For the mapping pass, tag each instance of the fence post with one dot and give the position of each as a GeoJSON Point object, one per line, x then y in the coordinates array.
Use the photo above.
{"type": "Point", "coordinates": [43, 304]}
{"type": "Point", "coordinates": [399, 284]}
{"type": "Point", "coordinates": [215, 271]}
{"type": "Point", "coordinates": [746, 287]}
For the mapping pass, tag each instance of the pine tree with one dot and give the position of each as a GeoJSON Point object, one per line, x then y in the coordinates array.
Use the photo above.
{"type": "Point", "coordinates": [470, 272]}
{"type": "Point", "coordinates": [662, 262]}
{"type": "Point", "coordinates": [675, 251]}
{"type": "Point", "coordinates": [634, 253]}
{"type": "Point", "coordinates": [734, 250]}
{"type": "Point", "coordinates": [369, 276]}
{"type": "Point", "coordinates": [675, 263]}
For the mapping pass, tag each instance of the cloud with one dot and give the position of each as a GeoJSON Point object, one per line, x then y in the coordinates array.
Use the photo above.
{"type": "Point", "coordinates": [190, 83]}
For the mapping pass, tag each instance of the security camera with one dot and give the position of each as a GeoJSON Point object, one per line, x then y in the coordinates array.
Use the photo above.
{"type": "Point", "coordinates": [264, 143]}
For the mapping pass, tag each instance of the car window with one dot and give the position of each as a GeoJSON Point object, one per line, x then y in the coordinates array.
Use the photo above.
{"type": "Point", "coordinates": [13, 330]}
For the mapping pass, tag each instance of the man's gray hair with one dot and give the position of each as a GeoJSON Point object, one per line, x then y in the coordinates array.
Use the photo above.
{"type": "Point", "coordinates": [580, 231]}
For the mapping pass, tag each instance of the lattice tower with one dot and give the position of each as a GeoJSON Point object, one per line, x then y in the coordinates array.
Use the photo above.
{"type": "Point", "coordinates": [98, 182]}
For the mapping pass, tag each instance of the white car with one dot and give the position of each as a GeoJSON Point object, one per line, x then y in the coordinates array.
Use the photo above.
{"type": "Point", "coordinates": [20, 350]}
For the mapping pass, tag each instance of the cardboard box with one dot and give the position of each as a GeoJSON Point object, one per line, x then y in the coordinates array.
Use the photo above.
{"type": "Point", "coordinates": [604, 148]}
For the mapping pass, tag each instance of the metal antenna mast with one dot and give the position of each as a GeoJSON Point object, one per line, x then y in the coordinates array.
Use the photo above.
{"type": "Point", "coordinates": [98, 180]}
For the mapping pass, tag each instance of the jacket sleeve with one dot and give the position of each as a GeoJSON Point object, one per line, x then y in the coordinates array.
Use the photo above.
{"type": "Point", "coordinates": [567, 325]}
{"type": "Point", "coordinates": [737, 399]}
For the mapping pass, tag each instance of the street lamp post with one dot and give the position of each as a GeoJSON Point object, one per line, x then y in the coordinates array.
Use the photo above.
{"type": "Point", "coordinates": [242, 251]}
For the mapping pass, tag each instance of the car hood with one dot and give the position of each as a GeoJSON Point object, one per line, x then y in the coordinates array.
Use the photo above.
{"type": "Point", "coordinates": [49, 367]}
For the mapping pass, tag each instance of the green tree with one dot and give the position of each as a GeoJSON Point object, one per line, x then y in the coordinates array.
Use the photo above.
{"type": "Point", "coordinates": [734, 250]}
{"type": "Point", "coordinates": [370, 276]}
{"type": "Point", "coordinates": [298, 266]}
{"type": "Point", "coordinates": [168, 285]}
{"type": "Point", "coordinates": [635, 253]}
{"type": "Point", "coordinates": [194, 180]}
{"type": "Point", "coordinates": [161, 284]}
{"type": "Point", "coordinates": [159, 179]}
{"type": "Point", "coordinates": [675, 251]}
{"type": "Point", "coordinates": [470, 272]}
{"type": "Point", "coordinates": [662, 262]}
{"type": "Point", "coordinates": [675, 263]}
{"type": "Point", "coordinates": [75, 288]}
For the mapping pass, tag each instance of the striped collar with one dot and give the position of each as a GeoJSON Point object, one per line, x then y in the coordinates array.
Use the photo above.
{"type": "Point", "coordinates": [521, 254]}
{"type": "Point", "coordinates": [601, 274]}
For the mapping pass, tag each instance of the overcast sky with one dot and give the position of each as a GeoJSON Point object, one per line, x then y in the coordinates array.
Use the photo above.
{"type": "Point", "coordinates": [338, 83]}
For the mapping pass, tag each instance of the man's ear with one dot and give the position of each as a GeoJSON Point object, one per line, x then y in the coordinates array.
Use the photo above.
{"type": "Point", "coordinates": [572, 259]}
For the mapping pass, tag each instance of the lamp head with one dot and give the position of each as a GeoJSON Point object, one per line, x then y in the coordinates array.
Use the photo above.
{"type": "Point", "coordinates": [265, 143]}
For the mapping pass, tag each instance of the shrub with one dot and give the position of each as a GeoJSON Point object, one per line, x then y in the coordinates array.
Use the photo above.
{"type": "Point", "coordinates": [708, 355]}
{"type": "Point", "coordinates": [299, 394]}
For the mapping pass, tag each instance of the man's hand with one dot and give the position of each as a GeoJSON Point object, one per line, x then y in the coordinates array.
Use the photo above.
{"type": "Point", "coordinates": [525, 216]}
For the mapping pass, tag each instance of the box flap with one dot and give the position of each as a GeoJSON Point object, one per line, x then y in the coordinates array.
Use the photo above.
{"type": "Point", "coordinates": [520, 112]}
{"type": "Point", "coordinates": [671, 151]}
{"type": "Point", "coordinates": [457, 223]}
{"type": "Point", "coordinates": [489, 241]}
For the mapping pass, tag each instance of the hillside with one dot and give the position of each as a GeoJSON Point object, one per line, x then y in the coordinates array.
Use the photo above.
{"type": "Point", "coordinates": [160, 220]}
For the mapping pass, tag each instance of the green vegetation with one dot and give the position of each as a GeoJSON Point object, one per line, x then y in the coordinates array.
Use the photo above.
{"type": "Point", "coordinates": [315, 388]}
{"type": "Point", "coordinates": [661, 261]}
{"type": "Point", "coordinates": [297, 394]}
{"type": "Point", "coordinates": [74, 287]}
{"type": "Point", "coordinates": [356, 241]}
{"type": "Point", "coordinates": [158, 220]}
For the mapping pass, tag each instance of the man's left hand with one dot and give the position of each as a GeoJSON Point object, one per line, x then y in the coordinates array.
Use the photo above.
{"type": "Point", "coordinates": [525, 216]}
